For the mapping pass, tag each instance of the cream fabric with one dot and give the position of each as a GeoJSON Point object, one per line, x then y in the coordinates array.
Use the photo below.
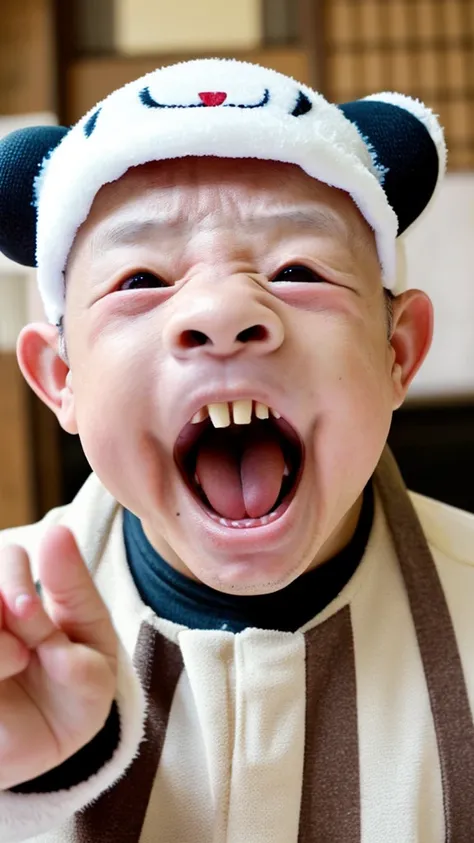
{"type": "Point", "coordinates": [232, 762]}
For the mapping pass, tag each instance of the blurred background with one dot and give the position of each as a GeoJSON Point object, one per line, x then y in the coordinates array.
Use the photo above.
{"type": "Point", "coordinates": [58, 58]}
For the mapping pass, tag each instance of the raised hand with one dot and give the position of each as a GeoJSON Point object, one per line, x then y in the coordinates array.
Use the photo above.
{"type": "Point", "coordinates": [58, 659]}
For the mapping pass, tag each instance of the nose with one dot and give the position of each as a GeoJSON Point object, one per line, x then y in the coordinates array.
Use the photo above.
{"type": "Point", "coordinates": [223, 323]}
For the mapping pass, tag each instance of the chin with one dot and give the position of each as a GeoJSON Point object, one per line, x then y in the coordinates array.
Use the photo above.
{"type": "Point", "coordinates": [252, 574]}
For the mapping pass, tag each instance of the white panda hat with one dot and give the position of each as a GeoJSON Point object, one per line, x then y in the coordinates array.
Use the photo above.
{"type": "Point", "coordinates": [387, 151]}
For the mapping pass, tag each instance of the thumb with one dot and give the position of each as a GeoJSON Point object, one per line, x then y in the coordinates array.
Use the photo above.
{"type": "Point", "coordinates": [71, 597]}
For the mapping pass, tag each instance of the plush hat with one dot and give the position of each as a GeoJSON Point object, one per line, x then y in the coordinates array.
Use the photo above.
{"type": "Point", "coordinates": [387, 151]}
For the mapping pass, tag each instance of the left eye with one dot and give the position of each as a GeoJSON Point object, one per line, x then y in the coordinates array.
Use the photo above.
{"type": "Point", "coordinates": [298, 274]}
{"type": "Point", "coordinates": [142, 280]}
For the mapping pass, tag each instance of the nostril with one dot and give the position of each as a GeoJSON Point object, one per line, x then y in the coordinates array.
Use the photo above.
{"type": "Point", "coordinates": [193, 339]}
{"type": "Point", "coordinates": [222, 340]}
{"type": "Point", "coordinates": [256, 333]}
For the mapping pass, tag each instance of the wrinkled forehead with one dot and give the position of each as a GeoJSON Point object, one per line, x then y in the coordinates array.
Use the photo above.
{"type": "Point", "coordinates": [187, 195]}
{"type": "Point", "coordinates": [193, 188]}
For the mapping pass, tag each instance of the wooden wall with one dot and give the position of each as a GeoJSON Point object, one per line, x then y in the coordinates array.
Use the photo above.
{"type": "Point", "coordinates": [27, 63]}
{"type": "Point", "coordinates": [17, 504]}
{"type": "Point", "coordinates": [29, 478]}
{"type": "Point", "coordinates": [424, 48]}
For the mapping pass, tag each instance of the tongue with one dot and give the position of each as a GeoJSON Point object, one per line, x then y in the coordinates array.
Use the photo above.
{"type": "Point", "coordinates": [241, 475]}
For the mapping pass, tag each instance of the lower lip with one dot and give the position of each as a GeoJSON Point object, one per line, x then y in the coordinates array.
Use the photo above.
{"type": "Point", "coordinates": [251, 523]}
{"type": "Point", "coordinates": [269, 529]}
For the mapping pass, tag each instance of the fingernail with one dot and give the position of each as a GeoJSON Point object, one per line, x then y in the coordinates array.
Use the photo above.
{"type": "Point", "coordinates": [25, 604]}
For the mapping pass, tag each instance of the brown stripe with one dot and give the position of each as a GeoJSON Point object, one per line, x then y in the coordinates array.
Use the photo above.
{"type": "Point", "coordinates": [330, 806]}
{"type": "Point", "coordinates": [439, 652]}
{"type": "Point", "coordinates": [119, 814]}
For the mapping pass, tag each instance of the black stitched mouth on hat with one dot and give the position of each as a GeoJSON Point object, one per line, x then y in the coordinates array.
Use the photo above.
{"type": "Point", "coordinates": [149, 101]}
{"type": "Point", "coordinates": [213, 99]}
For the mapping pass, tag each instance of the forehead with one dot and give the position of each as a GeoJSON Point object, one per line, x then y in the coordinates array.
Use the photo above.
{"type": "Point", "coordinates": [191, 191]}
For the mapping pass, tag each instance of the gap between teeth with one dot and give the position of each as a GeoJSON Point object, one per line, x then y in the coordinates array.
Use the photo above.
{"type": "Point", "coordinates": [241, 411]}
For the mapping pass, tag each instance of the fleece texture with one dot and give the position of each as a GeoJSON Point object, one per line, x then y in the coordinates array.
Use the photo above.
{"type": "Point", "coordinates": [219, 108]}
{"type": "Point", "coordinates": [358, 727]}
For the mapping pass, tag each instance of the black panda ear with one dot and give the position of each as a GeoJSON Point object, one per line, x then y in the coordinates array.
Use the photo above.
{"type": "Point", "coordinates": [410, 149]}
{"type": "Point", "coordinates": [21, 155]}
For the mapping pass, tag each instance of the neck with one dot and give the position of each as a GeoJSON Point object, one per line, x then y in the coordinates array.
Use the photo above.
{"type": "Point", "coordinates": [341, 535]}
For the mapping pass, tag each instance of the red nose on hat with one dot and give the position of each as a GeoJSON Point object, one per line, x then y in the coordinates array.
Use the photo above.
{"type": "Point", "coordinates": [212, 97]}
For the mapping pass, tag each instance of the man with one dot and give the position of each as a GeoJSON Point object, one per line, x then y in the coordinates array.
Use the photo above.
{"type": "Point", "coordinates": [244, 580]}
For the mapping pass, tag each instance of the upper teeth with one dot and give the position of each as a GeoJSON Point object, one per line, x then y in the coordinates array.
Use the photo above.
{"type": "Point", "coordinates": [241, 410]}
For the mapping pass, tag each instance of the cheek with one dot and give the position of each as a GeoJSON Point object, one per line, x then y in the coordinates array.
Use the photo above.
{"type": "Point", "coordinates": [364, 377]}
{"type": "Point", "coordinates": [115, 391]}
{"type": "Point", "coordinates": [128, 457]}
{"type": "Point", "coordinates": [350, 432]}
{"type": "Point", "coordinates": [114, 402]}
{"type": "Point", "coordinates": [114, 368]}
{"type": "Point", "coordinates": [352, 386]}
{"type": "Point", "coordinates": [352, 354]}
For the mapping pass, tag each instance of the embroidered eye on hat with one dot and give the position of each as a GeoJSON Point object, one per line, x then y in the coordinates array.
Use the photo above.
{"type": "Point", "coordinates": [387, 151]}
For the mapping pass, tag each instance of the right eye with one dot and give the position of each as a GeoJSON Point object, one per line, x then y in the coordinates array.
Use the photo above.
{"type": "Point", "coordinates": [142, 281]}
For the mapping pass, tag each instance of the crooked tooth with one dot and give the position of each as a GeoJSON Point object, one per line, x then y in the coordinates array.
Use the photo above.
{"type": "Point", "coordinates": [261, 411]}
{"type": "Point", "coordinates": [219, 414]}
{"type": "Point", "coordinates": [199, 416]}
{"type": "Point", "coordinates": [242, 411]}
{"type": "Point", "coordinates": [286, 471]}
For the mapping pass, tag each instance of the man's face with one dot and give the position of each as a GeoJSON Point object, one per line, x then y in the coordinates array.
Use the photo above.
{"type": "Point", "coordinates": [199, 282]}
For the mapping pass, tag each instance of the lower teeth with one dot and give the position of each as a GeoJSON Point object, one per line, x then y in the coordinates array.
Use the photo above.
{"type": "Point", "coordinates": [245, 523]}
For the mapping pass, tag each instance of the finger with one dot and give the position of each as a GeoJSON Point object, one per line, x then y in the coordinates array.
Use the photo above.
{"type": "Point", "coordinates": [14, 656]}
{"type": "Point", "coordinates": [24, 615]}
{"type": "Point", "coordinates": [71, 596]}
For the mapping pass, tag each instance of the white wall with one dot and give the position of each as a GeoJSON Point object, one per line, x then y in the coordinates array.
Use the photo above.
{"type": "Point", "coordinates": [440, 254]}
{"type": "Point", "coordinates": [154, 26]}
{"type": "Point", "coordinates": [19, 300]}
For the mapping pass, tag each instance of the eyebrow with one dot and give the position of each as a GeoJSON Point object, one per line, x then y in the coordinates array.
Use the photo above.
{"type": "Point", "coordinates": [128, 232]}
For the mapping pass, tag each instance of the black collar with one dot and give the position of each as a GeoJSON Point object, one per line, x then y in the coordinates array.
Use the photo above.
{"type": "Point", "coordinates": [177, 598]}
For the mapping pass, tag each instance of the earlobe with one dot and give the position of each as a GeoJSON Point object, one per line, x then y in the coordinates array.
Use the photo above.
{"type": "Point", "coordinates": [46, 373]}
{"type": "Point", "coordinates": [410, 341]}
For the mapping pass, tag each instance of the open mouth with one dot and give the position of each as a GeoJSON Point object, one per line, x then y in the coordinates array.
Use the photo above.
{"type": "Point", "coordinates": [241, 461]}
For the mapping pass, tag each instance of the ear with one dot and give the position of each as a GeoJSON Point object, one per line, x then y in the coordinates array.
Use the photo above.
{"type": "Point", "coordinates": [46, 372]}
{"type": "Point", "coordinates": [410, 341]}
